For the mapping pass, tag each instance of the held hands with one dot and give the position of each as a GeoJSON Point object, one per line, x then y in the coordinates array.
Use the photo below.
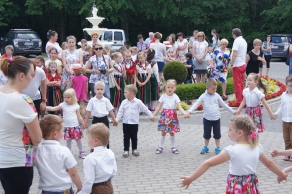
{"type": "Point", "coordinates": [185, 181]}
{"type": "Point", "coordinates": [152, 118]}
{"type": "Point", "coordinates": [140, 84]}
{"type": "Point", "coordinates": [284, 178]}
{"type": "Point", "coordinates": [115, 122]}
{"type": "Point", "coordinates": [119, 88]}
{"type": "Point", "coordinates": [275, 153]}
{"type": "Point", "coordinates": [236, 113]}
{"type": "Point", "coordinates": [273, 117]}
{"type": "Point", "coordinates": [187, 115]}
{"type": "Point", "coordinates": [84, 125]}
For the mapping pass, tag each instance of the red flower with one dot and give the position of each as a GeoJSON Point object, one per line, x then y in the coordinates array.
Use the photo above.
{"type": "Point", "coordinates": [200, 107]}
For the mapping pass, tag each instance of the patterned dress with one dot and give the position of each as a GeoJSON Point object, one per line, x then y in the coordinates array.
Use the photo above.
{"type": "Point", "coordinates": [54, 94]}
{"type": "Point", "coordinates": [242, 184]}
{"type": "Point", "coordinates": [221, 60]}
{"type": "Point", "coordinates": [117, 96]}
{"type": "Point", "coordinates": [130, 72]}
{"type": "Point", "coordinates": [71, 58]}
{"type": "Point", "coordinates": [143, 93]}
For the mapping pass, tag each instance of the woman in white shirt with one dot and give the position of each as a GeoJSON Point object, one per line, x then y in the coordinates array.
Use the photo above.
{"type": "Point", "coordinates": [182, 47]}
{"type": "Point", "coordinates": [19, 125]}
{"type": "Point", "coordinates": [200, 50]}
{"type": "Point", "coordinates": [53, 37]}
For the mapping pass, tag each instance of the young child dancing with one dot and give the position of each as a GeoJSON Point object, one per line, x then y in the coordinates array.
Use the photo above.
{"type": "Point", "coordinates": [211, 118]}
{"type": "Point", "coordinates": [100, 107]}
{"type": "Point", "coordinates": [168, 122]}
{"type": "Point", "coordinates": [130, 68]}
{"type": "Point", "coordinates": [243, 156]}
{"type": "Point", "coordinates": [54, 94]}
{"type": "Point", "coordinates": [55, 163]}
{"type": "Point", "coordinates": [71, 116]}
{"type": "Point", "coordinates": [80, 85]}
{"type": "Point", "coordinates": [252, 99]}
{"type": "Point", "coordinates": [129, 110]}
{"type": "Point", "coordinates": [100, 165]}
{"type": "Point", "coordinates": [285, 110]}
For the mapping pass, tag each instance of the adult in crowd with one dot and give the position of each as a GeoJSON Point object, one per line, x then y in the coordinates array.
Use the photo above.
{"type": "Point", "coordinates": [290, 56]}
{"type": "Point", "coordinates": [215, 38]}
{"type": "Point", "coordinates": [38, 81]}
{"type": "Point", "coordinates": [99, 66]}
{"type": "Point", "coordinates": [94, 38]}
{"type": "Point", "coordinates": [54, 57]}
{"type": "Point", "coordinates": [193, 39]}
{"type": "Point", "coordinates": [8, 52]}
{"type": "Point", "coordinates": [238, 64]}
{"type": "Point", "coordinates": [255, 58]}
{"type": "Point", "coordinates": [149, 39]}
{"type": "Point", "coordinates": [70, 57]}
{"type": "Point", "coordinates": [141, 44]}
{"type": "Point", "coordinates": [267, 48]}
{"type": "Point", "coordinates": [172, 48]}
{"type": "Point", "coordinates": [220, 65]}
{"type": "Point", "coordinates": [182, 47]}
{"type": "Point", "coordinates": [19, 125]}
{"type": "Point", "coordinates": [53, 37]}
{"type": "Point", "coordinates": [160, 52]}
{"type": "Point", "coordinates": [199, 51]}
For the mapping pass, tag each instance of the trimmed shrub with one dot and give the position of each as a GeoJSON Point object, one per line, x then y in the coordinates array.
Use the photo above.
{"type": "Point", "coordinates": [184, 106]}
{"type": "Point", "coordinates": [175, 70]}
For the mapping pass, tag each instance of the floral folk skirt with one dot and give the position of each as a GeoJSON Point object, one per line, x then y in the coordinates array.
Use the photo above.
{"type": "Point", "coordinates": [72, 133]}
{"type": "Point", "coordinates": [257, 116]}
{"type": "Point", "coordinates": [246, 184]}
{"type": "Point", "coordinates": [168, 121]}
{"type": "Point", "coordinates": [117, 96]}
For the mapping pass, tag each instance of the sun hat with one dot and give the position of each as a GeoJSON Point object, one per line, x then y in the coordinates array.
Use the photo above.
{"type": "Point", "coordinates": [77, 66]}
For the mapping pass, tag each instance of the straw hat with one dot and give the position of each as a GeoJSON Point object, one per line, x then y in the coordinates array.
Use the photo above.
{"type": "Point", "coordinates": [77, 67]}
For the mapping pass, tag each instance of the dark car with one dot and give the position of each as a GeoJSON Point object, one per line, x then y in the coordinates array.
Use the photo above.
{"type": "Point", "coordinates": [280, 46]}
{"type": "Point", "coordinates": [24, 41]}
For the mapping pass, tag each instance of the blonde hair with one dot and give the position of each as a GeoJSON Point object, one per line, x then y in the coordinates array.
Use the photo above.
{"type": "Point", "coordinates": [116, 55]}
{"type": "Point", "coordinates": [52, 63]}
{"type": "Point", "coordinates": [211, 82]}
{"type": "Point", "coordinates": [87, 47]}
{"type": "Point", "coordinates": [224, 41]}
{"type": "Point", "coordinates": [99, 131]}
{"type": "Point", "coordinates": [127, 52]}
{"type": "Point", "coordinates": [245, 123]}
{"type": "Point", "coordinates": [169, 81]}
{"type": "Point", "coordinates": [50, 123]}
{"type": "Point", "coordinates": [134, 49]}
{"type": "Point", "coordinates": [78, 72]}
{"type": "Point", "coordinates": [71, 92]}
{"type": "Point", "coordinates": [257, 41]}
{"type": "Point", "coordinates": [131, 88]}
{"type": "Point", "coordinates": [201, 34]}
{"type": "Point", "coordinates": [99, 83]}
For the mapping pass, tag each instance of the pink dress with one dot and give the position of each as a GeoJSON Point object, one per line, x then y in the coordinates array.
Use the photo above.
{"type": "Point", "coordinates": [79, 85]}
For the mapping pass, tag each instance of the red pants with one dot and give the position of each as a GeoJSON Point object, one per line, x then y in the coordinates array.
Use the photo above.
{"type": "Point", "coordinates": [238, 74]}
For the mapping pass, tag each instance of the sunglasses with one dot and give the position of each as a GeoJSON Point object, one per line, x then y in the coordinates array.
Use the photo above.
{"type": "Point", "coordinates": [99, 48]}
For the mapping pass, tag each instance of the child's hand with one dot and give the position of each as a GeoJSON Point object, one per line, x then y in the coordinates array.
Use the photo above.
{"type": "Point", "coordinates": [273, 117]}
{"type": "Point", "coordinates": [119, 88]}
{"type": "Point", "coordinates": [274, 153]}
{"type": "Point", "coordinates": [140, 84]}
{"type": "Point", "coordinates": [84, 125]}
{"type": "Point", "coordinates": [187, 115]}
{"type": "Point", "coordinates": [152, 118]}
{"type": "Point", "coordinates": [185, 181]}
{"type": "Point", "coordinates": [143, 83]}
{"type": "Point", "coordinates": [115, 122]}
{"type": "Point", "coordinates": [284, 178]}
{"type": "Point", "coordinates": [236, 113]}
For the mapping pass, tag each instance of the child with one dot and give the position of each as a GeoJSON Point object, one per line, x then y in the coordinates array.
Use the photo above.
{"type": "Point", "coordinates": [100, 165]}
{"type": "Point", "coordinates": [86, 53]}
{"type": "Point", "coordinates": [285, 110]}
{"type": "Point", "coordinates": [117, 92]}
{"type": "Point", "coordinates": [243, 157]}
{"type": "Point", "coordinates": [154, 79]}
{"type": "Point", "coordinates": [99, 107]}
{"type": "Point", "coordinates": [80, 85]}
{"type": "Point", "coordinates": [71, 116]}
{"type": "Point", "coordinates": [144, 72]}
{"type": "Point", "coordinates": [168, 122]}
{"type": "Point", "coordinates": [64, 46]}
{"type": "Point", "coordinates": [252, 98]}
{"type": "Point", "coordinates": [107, 50]}
{"type": "Point", "coordinates": [40, 62]}
{"type": "Point", "coordinates": [190, 67]}
{"type": "Point", "coordinates": [134, 51]}
{"type": "Point", "coordinates": [209, 59]}
{"type": "Point", "coordinates": [129, 110]}
{"type": "Point", "coordinates": [54, 57]}
{"type": "Point", "coordinates": [55, 163]}
{"type": "Point", "coordinates": [54, 94]}
{"type": "Point", "coordinates": [211, 118]}
{"type": "Point", "coordinates": [130, 68]}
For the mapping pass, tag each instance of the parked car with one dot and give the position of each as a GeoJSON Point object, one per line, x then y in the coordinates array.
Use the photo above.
{"type": "Point", "coordinates": [24, 41]}
{"type": "Point", "coordinates": [280, 46]}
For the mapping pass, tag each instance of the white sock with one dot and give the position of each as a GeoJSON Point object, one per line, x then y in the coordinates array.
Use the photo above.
{"type": "Point", "coordinates": [172, 139]}
{"type": "Point", "coordinates": [161, 141]}
{"type": "Point", "coordinates": [68, 143]}
{"type": "Point", "coordinates": [79, 144]}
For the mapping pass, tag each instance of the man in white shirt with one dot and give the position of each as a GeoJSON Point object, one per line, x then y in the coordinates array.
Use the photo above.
{"type": "Point", "coordinates": [238, 65]}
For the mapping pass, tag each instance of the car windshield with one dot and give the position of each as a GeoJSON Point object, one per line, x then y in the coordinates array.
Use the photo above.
{"type": "Point", "coordinates": [26, 36]}
{"type": "Point", "coordinates": [279, 39]}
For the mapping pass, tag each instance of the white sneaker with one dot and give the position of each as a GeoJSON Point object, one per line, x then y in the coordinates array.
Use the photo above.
{"type": "Point", "coordinates": [82, 155]}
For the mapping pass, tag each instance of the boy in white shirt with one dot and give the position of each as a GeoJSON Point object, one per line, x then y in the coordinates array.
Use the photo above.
{"type": "Point", "coordinates": [55, 163]}
{"type": "Point", "coordinates": [129, 110]}
{"type": "Point", "coordinates": [211, 101]}
{"type": "Point", "coordinates": [100, 165]}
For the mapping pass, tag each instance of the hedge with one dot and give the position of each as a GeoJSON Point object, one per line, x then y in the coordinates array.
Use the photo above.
{"type": "Point", "coordinates": [194, 91]}
{"type": "Point", "coordinates": [175, 70]}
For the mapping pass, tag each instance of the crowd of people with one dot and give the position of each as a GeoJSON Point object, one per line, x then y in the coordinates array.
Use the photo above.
{"type": "Point", "coordinates": [125, 84]}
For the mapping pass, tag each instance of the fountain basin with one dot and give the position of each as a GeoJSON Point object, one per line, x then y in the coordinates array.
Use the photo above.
{"type": "Point", "coordinates": [95, 21]}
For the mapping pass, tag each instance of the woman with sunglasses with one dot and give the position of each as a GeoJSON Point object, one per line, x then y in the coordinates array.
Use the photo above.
{"type": "Point", "coordinates": [99, 66]}
{"type": "Point", "coordinates": [69, 57]}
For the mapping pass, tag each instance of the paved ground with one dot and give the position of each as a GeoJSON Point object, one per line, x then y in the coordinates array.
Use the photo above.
{"type": "Point", "coordinates": [152, 173]}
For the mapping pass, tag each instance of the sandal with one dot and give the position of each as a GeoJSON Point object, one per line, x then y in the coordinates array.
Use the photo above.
{"type": "Point", "coordinates": [287, 158]}
{"type": "Point", "coordinates": [174, 150]}
{"type": "Point", "coordinates": [159, 150]}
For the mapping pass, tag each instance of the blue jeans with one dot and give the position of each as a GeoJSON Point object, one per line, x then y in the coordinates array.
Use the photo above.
{"type": "Point", "coordinates": [107, 93]}
{"type": "Point", "coordinates": [57, 192]}
{"type": "Point", "coordinates": [290, 66]}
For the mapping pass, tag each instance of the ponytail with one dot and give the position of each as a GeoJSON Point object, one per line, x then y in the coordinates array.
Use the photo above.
{"type": "Point", "coordinates": [260, 84]}
{"type": "Point", "coordinates": [11, 68]}
{"type": "Point", "coordinates": [4, 66]}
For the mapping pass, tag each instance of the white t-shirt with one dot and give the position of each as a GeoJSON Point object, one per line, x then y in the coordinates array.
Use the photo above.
{"type": "Point", "coordinates": [69, 114]}
{"type": "Point", "coordinates": [52, 161]}
{"type": "Point", "coordinates": [99, 108]}
{"type": "Point", "coordinates": [252, 98]}
{"type": "Point", "coordinates": [56, 45]}
{"type": "Point", "coordinates": [15, 109]}
{"type": "Point", "coordinates": [181, 44]}
{"type": "Point", "coordinates": [3, 79]}
{"type": "Point", "coordinates": [243, 158]}
{"type": "Point", "coordinates": [169, 102]}
{"type": "Point", "coordinates": [33, 88]}
{"type": "Point", "coordinates": [200, 48]}
{"type": "Point", "coordinates": [239, 45]}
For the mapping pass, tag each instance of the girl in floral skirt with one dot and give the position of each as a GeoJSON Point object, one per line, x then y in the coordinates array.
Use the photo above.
{"type": "Point", "coordinates": [72, 117]}
{"type": "Point", "coordinates": [168, 122]}
{"type": "Point", "coordinates": [252, 98]}
{"type": "Point", "coordinates": [243, 156]}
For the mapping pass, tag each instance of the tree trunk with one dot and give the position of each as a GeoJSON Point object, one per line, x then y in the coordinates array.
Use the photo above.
{"type": "Point", "coordinates": [125, 25]}
{"type": "Point", "coordinates": [62, 33]}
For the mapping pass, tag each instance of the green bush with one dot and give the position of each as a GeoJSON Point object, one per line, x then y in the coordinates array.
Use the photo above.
{"type": "Point", "coordinates": [194, 91]}
{"type": "Point", "coordinates": [175, 70]}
